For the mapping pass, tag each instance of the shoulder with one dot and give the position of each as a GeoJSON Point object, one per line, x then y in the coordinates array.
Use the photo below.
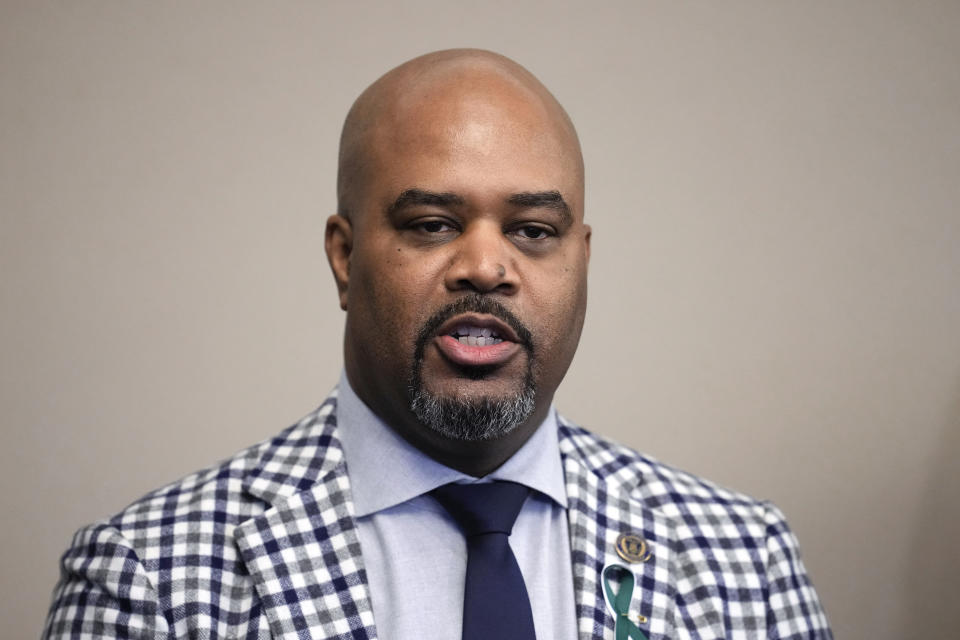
{"type": "Point", "coordinates": [714, 547]}
{"type": "Point", "coordinates": [213, 494]}
{"type": "Point", "coordinates": [234, 489]}
{"type": "Point", "coordinates": [195, 516]}
{"type": "Point", "coordinates": [678, 495]}
{"type": "Point", "coordinates": [180, 539]}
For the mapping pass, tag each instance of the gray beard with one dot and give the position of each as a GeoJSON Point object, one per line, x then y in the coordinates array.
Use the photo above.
{"type": "Point", "coordinates": [460, 418]}
{"type": "Point", "coordinates": [471, 420]}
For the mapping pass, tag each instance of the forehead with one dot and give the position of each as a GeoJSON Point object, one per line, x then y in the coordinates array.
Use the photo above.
{"type": "Point", "coordinates": [485, 137]}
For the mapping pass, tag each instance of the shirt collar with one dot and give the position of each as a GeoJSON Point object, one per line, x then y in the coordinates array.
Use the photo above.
{"type": "Point", "coordinates": [385, 470]}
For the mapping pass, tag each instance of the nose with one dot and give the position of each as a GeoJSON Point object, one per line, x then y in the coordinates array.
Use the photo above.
{"type": "Point", "coordinates": [482, 261]}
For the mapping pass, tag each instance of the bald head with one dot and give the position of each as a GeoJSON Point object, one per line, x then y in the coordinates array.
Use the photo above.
{"type": "Point", "coordinates": [461, 205]}
{"type": "Point", "coordinates": [455, 85]}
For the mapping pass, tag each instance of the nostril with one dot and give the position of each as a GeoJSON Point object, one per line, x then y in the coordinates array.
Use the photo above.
{"type": "Point", "coordinates": [479, 272]}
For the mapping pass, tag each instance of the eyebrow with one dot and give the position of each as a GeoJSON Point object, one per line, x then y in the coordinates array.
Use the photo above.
{"type": "Point", "coordinates": [527, 199]}
{"type": "Point", "coordinates": [414, 197]}
{"type": "Point", "coordinates": [543, 199]}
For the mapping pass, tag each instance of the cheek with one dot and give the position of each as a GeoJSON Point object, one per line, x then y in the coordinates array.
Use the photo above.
{"type": "Point", "coordinates": [392, 289]}
{"type": "Point", "coordinates": [565, 315]}
{"type": "Point", "coordinates": [560, 306]}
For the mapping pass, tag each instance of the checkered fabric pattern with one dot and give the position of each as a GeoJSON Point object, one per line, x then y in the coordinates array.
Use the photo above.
{"type": "Point", "coordinates": [722, 565]}
{"type": "Point", "coordinates": [265, 546]}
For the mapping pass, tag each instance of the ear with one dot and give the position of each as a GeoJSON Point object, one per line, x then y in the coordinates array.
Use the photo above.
{"type": "Point", "coordinates": [338, 242]}
{"type": "Point", "coordinates": [587, 233]}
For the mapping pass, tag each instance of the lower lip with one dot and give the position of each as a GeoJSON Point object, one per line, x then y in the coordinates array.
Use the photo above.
{"type": "Point", "coordinates": [468, 356]}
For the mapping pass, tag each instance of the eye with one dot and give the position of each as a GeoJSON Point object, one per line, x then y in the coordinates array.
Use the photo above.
{"type": "Point", "coordinates": [432, 226]}
{"type": "Point", "coordinates": [533, 232]}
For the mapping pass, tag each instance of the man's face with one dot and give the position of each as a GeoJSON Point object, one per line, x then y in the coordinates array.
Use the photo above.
{"type": "Point", "coordinates": [468, 221]}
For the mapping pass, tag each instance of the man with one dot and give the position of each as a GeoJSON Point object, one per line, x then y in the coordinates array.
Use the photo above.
{"type": "Point", "coordinates": [460, 255]}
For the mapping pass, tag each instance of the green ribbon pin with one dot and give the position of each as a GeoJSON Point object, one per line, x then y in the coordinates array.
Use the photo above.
{"type": "Point", "coordinates": [620, 602]}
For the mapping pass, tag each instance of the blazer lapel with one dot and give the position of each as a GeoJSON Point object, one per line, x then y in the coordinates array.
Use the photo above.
{"type": "Point", "coordinates": [601, 508]}
{"type": "Point", "coordinates": [303, 552]}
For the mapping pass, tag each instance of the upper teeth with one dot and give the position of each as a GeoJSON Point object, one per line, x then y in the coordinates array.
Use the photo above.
{"type": "Point", "coordinates": [476, 336]}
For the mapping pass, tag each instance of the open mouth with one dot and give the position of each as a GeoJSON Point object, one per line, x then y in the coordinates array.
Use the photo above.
{"type": "Point", "coordinates": [477, 340]}
{"type": "Point", "coordinates": [477, 330]}
{"type": "Point", "coordinates": [474, 336]}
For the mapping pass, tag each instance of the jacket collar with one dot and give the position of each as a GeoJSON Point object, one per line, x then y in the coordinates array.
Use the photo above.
{"type": "Point", "coordinates": [303, 552]}
{"type": "Point", "coordinates": [298, 457]}
{"type": "Point", "coordinates": [602, 492]}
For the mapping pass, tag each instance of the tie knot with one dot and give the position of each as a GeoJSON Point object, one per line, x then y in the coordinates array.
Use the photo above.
{"type": "Point", "coordinates": [490, 507]}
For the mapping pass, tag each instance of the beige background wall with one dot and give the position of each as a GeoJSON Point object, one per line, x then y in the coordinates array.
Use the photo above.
{"type": "Point", "coordinates": [774, 189]}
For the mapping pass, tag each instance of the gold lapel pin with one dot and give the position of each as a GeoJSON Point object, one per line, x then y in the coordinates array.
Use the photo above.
{"type": "Point", "coordinates": [632, 548]}
{"type": "Point", "coordinates": [642, 619]}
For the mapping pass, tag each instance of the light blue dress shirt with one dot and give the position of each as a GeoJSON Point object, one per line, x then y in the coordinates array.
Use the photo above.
{"type": "Point", "coordinates": [414, 553]}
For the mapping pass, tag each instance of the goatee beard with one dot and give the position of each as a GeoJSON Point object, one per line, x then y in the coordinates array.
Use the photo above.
{"type": "Point", "coordinates": [471, 419]}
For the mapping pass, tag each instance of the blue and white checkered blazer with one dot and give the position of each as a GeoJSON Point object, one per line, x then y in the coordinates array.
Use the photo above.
{"type": "Point", "coordinates": [265, 546]}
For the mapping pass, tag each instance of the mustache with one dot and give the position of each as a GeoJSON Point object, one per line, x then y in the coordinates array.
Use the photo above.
{"type": "Point", "coordinates": [475, 303]}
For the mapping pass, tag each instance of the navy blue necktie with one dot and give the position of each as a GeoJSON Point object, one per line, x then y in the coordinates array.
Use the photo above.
{"type": "Point", "coordinates": [495, 601]}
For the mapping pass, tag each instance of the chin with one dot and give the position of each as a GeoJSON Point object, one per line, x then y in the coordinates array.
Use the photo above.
{"type": "Point", "coordinates": [474, 387]}
{"type": "Point", "coordinates": [472, 408]}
